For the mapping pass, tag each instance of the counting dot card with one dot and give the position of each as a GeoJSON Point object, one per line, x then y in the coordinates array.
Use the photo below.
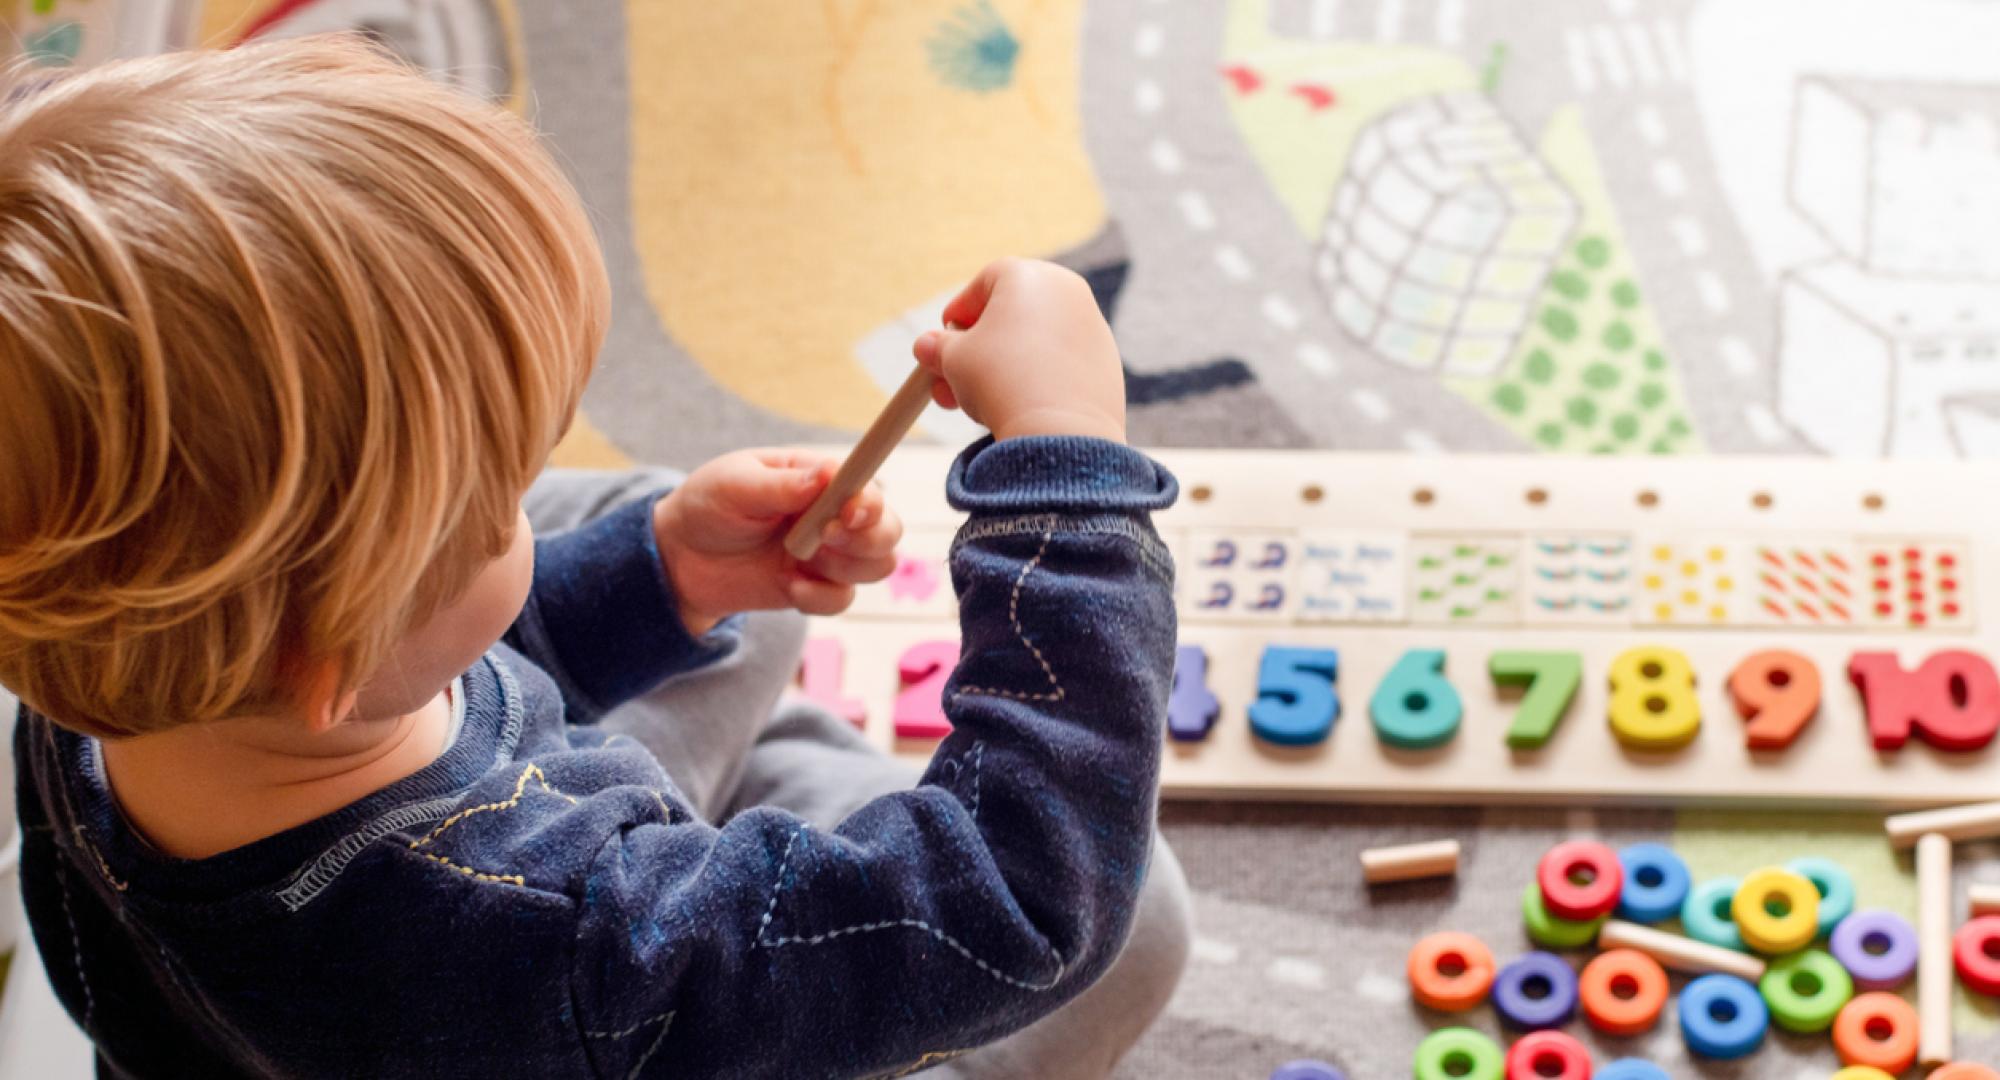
{"type": "Point", "coordinates": [1515, 630]}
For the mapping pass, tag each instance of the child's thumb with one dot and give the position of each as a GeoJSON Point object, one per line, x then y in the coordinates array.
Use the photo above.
{"type": "Point", "coordinates": [779, 492]}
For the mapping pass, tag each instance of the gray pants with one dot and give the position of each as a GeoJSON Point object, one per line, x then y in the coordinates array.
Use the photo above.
{"type": "Point", "coordinates": [731, 739]}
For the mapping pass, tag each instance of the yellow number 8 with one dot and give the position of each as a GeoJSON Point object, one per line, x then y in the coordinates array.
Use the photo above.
{"type": "Point", "coordinates": [1653, 706]}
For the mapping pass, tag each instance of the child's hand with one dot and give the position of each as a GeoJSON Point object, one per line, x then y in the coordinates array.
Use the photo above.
{"type": "Point", "coordinates": [1037, 358]}
{"type": "Point", "coordinates": [721, 535]}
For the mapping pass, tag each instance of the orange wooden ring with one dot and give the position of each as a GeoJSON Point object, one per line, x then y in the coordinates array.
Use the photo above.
{"type": "Point", "coordinates": [1630, 970]}
{"type": "Point", "coordinates": [1878, 1029]}
{"type": "Point", "coordinates": [1450, 972]}
{"type": "Point", "coordinates": [1965, 1070]}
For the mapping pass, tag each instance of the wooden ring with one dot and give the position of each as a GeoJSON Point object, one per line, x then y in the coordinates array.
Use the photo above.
{"type": "Point", "coordinates": [1878, 1029]}
{"type": "Point", "coordinates": [1450, 972]}
{"type": "Point", "coordinates": [1976, 951]}
{"type": "Point", "coordinates": [1623, 969]}
{"type": "Point", "coordinates": [1771, 932]}
{"type": "Point", "coordinates": [1567, 899]}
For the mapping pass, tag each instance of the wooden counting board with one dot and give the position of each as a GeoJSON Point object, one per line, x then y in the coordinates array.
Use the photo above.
{"type": "Point", "coordinates": [1470, 616]}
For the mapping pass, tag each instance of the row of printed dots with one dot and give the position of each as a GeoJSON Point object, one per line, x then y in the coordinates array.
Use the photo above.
{"type": "Point", "coordinates": [1536, 496]}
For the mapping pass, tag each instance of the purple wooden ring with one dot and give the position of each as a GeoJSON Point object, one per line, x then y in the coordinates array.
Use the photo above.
{"type": "Point", "coordinates": [1885, 970]}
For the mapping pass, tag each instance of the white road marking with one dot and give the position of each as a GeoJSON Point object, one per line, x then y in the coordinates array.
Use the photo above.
{"type": "Point", "coordinates": [1315, 358]}
{"type": "Point", "coordinates": [1196, 210]}
{"type": "Point", "coordinates": [1293, 971]}
{"type": "Point", "coordinates": [1670, 178]}
{"type": "Point", "coordinates": [1147, 96]}
{"type": "Point", "coordinates": [1382, 989]}
{"type": "Point", "coordinates": [1235, 265]}
{"type": "Point", "coordinates": [1641, 48]}
{"type": "Point", "coordinates": [1671, 49]}
{"type": "Point", "coordinates": [1324, 21]}
{"type": "Point", "coordinates": [1371, 403]}
{"type": "Point", "coordinates": [1688, 233]}
{"type": "Point", "coordinates": [1578, 52]}
{"type": "Point", "coordinates": [1611, 56]}
{"type": "Point", "coordinates": [1148, 40]}
{"type": "Point", "coordinates": [1389, 20]}
{"type": "Point", "coordinates": [1451, 21]}
{"type": "Point", "coordinates": [1422, 442]}
{"type": "Point", "coordinates": [1652, 128]}
{"type": "Point", "coordinates": [1166, 156]}
{"type": "Point", "coordinates": [1714, 294]}
{"type": "Point", "coordinates": [1210, 951]}
{"type": "Point", "coordinates": [1738, 356]}
{"type": "Point", "coordinates": [1281, 312]}
{"type": "Point", "coordinates": [1764, 425]}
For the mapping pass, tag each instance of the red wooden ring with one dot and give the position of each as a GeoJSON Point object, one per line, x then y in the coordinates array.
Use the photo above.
{"type": "Point", "coordinates": [1895, 1051]}
{"type": "Point", "coordinates": [1615, 1015]}
{"type": "Point", "coordinates": [1976, 949]}
{"type": "Point", "coordinates": [1430, 984]}
{"type": "Point", "coordinates": [1565, 899]}
{"type": "Point", "coordinates": [1527, 1058]}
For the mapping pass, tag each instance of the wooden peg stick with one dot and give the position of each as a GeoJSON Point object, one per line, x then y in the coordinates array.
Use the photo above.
{"type": "Point", "coordinates": [891, 424]}
{"type": "Point", "coordinates": [1439, 858]}
{"type": "Point", "coordinates": [1985, 898]}
{"type": "Point", "coordinates": [1979, 821]}
{"type": "Point", "coordinates": [1934, 962]}
{"type": "Point", "coordinates": [1680, 953]}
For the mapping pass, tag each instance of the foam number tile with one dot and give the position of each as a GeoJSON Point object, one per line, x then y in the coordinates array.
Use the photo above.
{"type": "Point", "coordinates": [1296, 703]}
{"type": "Point", "coordinates": [1352, 577]}
{"type": "Point", "coordinates": [1579, 579]}
{"type": "Point", "coordinates": [1239, 576]}
{"type": "Point", "coordinates": [1951, 702]}
{"type": "Point", "coordinates": [1805, 582]}
{"type": "Point", "coordinates": [1465, 580]}
{"type": "Point", "coordinates": [919, 709]}
{"type": "Point", "coordinates": [1551, 680]}
{"type": "Point", "coordinates": [1653, 706]}
{"type": "Point", "coordinates": [1415, 706]}
{"type": "Point", "coordinates": [1192, 707]}
{"type": "Point", "coordinates": [919, 586]}
{"type": "Point", "coordinates": [1690, 583]}
{"type": "Point", "coordinates": [1777, 693]}
{"type": "Point", "coordinates": [1919, 584]}
{"type": "Point", "coordinates": [820, 676]}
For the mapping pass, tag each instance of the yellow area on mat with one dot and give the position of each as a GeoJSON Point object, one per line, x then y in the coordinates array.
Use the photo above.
{"type": "Point", "coordinates": [1303, 150]}
{"type": "Point", "coordinates": [585, 447]}
{"type": "Point", "coordinates": [1728, 843]}
{"type": "Point", "coordinates": [801, 176]}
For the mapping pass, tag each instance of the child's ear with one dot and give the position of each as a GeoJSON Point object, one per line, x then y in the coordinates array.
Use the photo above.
{"type": "Point", "coordinates": [324, 705]}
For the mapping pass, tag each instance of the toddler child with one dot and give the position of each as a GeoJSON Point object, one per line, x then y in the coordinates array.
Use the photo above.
{"type": "Point", "coordinates": [311, 766]}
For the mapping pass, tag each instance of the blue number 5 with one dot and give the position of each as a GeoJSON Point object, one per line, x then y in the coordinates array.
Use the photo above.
{"type": "Point", "coordinates": [1296, 705]}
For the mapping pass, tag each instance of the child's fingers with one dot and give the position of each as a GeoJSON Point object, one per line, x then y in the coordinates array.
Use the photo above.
{"type": "Point", "coordinates": [878, 537]}
{"type": "Point", "coordinates": [971, 301]}
{"type": "Point", "coordinates": [815, 597]}
{"type": "Point", "coordinates": [758, 490]}
{"type": "Point", "coordinates": [845, 569]}
{"type": "Point", "coordinates": [862, 508]}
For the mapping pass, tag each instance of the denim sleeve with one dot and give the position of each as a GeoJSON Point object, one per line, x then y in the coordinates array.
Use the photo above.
{"type": "Point", "coordinates": [938, 919]}
{"type": "Point", "coordinates": [602, 619]}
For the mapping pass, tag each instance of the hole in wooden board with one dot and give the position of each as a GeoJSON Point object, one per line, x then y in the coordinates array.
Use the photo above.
{"type": "Point", "coordinates": [1873, 501]}
{"type": "Point", "coordinates": [1423, 496]}
{"type": "Point", "coordinates": [1649, 499]}
{"type": "Point", "coordinates": [1312, 493]}
{"type": "Point", "coordinates": [1762, 500]}
{"type": "Point", "coordinates": [1537, 496]}
{"type": "Point", "coordinates": [1200, 493]}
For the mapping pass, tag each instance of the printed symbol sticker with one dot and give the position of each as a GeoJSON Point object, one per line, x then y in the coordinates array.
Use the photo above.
{"type": "Point", "coordinates": [1352, 576]}
{"type": "Point", "coordinates": [1466, 580]}
{"type": "Point", "coordinates": [1239, 576]}
{"type": "Point", "coordinates": [1574, 579]}
{"type": "Point", "coordinates": [1690, 583]}
{"type": "Point", "coordinates": [1920, 584]}
{"type": "Point", "coordinates": [1805, 582]}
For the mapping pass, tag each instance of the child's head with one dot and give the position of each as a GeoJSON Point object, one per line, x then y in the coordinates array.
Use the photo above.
{"type": "Point", "coordinates": [285, 332]}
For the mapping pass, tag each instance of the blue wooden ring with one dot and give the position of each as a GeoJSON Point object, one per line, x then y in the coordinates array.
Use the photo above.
{"type": "Point", "coordinates": [1307, 1069]}
{"type": "Point", "coordinates": [1535, 992]}
{"type": "Point", "coordinates": [1836, 889]}
{"type": "Point", "coordinates": [1723, 1017]}
{"type": "Point", "coordinates": [1656, 883]}
{"type": "Point", "coordinates": [1632, 1069]}
{"type": "Point", "coordinates": [1705, 914]}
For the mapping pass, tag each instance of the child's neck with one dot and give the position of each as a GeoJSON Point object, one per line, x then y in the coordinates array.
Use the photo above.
{"type": "Point", "coordinates": [204, 789]}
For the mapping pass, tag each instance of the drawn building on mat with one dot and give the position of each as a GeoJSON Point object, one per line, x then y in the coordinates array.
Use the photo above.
{"type": "Point", "coordinates": [1892, 345]}
{"type": "Point", "coordinates": [1441, 235]}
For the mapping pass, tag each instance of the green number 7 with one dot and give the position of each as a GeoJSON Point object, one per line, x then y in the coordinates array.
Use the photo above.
{"type": "Point", "coordinates": [1551, 679]}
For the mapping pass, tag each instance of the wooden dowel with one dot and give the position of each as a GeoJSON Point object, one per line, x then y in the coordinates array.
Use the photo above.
{"type": "Point", "coordinates": [1934, 963]}
{"type": "Point", "coordinates": [1979, 821]}
{"type": "Point", "coordinates": [1985, 899]}
{"type": "Point", "coordinates": [1679, 953]}
{"type": "Point", "coordinates": [891, 424]}
{"type": "Point", "coordinates": [1438, 858]}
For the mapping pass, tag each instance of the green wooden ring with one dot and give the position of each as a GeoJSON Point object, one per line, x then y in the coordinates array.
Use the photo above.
{"type": "Point", "coordinates": [1811, 1009]}
{"type": "Point", "coordinates": [1459, 1054]}
{"type": "Point", "coordinates": [1546, 929]}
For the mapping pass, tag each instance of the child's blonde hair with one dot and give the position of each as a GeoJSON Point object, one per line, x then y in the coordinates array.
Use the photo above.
{"type": "Point", "coordinates": [285, 332]}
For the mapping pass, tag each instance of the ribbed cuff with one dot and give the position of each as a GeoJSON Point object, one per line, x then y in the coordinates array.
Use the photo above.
{"type": "Point", "coordinates": [1057, 473]}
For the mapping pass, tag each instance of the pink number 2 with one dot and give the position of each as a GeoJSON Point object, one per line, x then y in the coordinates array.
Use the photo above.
{"type": "Point", "coordinates": [919, 711]}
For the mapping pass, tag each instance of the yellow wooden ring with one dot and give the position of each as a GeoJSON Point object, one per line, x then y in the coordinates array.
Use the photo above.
{"type": "Point", "coordinates": [1773, 932]}
{"type": "Point", "coordinates": [1862, 1072]}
